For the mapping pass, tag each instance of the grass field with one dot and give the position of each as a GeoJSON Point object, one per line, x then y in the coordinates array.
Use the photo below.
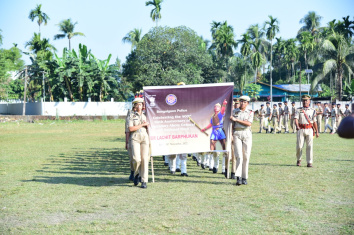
{"type": "Point", "coordinates": [61, 177]}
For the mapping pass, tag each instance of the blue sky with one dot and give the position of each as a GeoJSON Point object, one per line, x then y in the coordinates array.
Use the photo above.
{"type": "Point", "coordinates": [106, 22]}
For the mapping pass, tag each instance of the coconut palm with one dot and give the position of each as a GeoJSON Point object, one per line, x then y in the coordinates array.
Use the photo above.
{"type": "Point", "coordinates": [155, 13]}
{"type": "Point", "coordinates": [67, 27]}
{"type": "Point", "coordinates": [246, 43]}
{"type": "Point", "coordinates": [257, 57]}
{"type": "Point", "coordinates": [312, 23]}
{"type": "Point", "coordinates": [133, 37]}
{"type": "Point", "coordinates": [291, 56]}
{"type": "Point", "coordinates": [272, 29]}
{"type": "Point", "coordinates": [307, 44]}
{"type": "Point", "coordinates": [337, 55]}
{"type": "Point", "coordinates": [38, 13]}
{"type": "Point", "coordinates": [40, 47]}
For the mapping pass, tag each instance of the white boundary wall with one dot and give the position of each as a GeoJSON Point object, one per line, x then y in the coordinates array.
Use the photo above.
{"type": "Point", "coordinates": [94, 108]}
{"type": "Point", "coordinates": [67, 108]}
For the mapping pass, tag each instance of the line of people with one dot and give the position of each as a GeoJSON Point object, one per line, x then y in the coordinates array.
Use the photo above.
{"type": "Point", "coordinates": [273, 120]}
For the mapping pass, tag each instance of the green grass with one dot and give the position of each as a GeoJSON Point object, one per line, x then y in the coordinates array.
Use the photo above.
{"type": "Point", "coordinates": [60, 177]}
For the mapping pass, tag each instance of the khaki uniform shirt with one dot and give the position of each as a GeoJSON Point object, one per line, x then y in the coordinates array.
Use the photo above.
{"type": "Point", "coordinates": [340, 112]}
{"type": "Point", "coordinates": [281, 111]}
{"type": "Point", "coordinates": [262, 113]}
{"type": "Point", "coordinates": [310, 112]}
{"type": "Point", "coordinates": [275, 113]}
{"type": "Point", "coordinates": [137, 119]}
{"type": "Point", "coordinates": [246, 115]}
{"type": "Point", "coordinates": [293, 111]}
{"type": "Point", "coordinates": [127, 121]}
{"type": "Point", "coordinates": [319, 109]}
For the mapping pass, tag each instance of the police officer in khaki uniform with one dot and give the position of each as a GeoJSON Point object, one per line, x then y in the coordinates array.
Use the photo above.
{"type": "Point", "coordinates": [268, 116]}
{"type": "Point", "coordinates": [242, 136]}
{"type": "Point", "coordinates": [275, 118]}
{"type": "Point", "coordinates": [334, 113]}
{"type": "Point", "coordinates": [319, 112]}
{"type": "Point", "coordinates": [139, 140]}
{"type": "Point", "coordinates": [127, 144]}
{"type": "Point", "coordinates": [340, 115]}
{"type": "Point", "coordinates": [261, 114]}
{"type": "Point", "coordinates": [281, 117]}
{"type": "Point", "coordinates": [292, 120]}
{"type": "Point", "coordinates": [326, 115]}
{"type": "Point", "coordinates": [286, 116]}
{"type": "Point", "coordinates": [347, 111]}
{"type": "Point", "coordinates": [306, 125]}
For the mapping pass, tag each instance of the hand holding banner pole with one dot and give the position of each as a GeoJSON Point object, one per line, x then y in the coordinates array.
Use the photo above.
{"type": "Point", "coordinates": [190, 119]}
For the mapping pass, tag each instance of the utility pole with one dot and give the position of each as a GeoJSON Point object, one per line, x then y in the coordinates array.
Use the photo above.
{"type": "Point", "coordinates": [300, 85]}
{"type": "Point", "coordinates": [43, 85]}
{"type": "Point", "coordinates": [24, 94]}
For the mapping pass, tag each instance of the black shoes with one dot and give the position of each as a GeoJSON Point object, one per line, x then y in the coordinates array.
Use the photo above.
{"type": "Point", "coordinates": [173, 172]}
{"type": "Point", "coordinates": [194, 158]}
{"type": "Point", "coordinates": [233, 177]}
{"type": "Point", "coordinates": [136, 180]}
{"type": "Point", "coordinates": [131, 177]}
{"type": "Point", "coordinates": [166, 164]}
{"type": "Point", "coordinates": [184, 174]}
{"type": "Point", "coordinates": [198, 163]}
{"type": "Point", "coordinates": [210, 169]}
{"type": "Point", "coordinates": [244, 181]}
{"type": "Point", "coordinates": [238, 181]}
{"type": "Point", "coordinates": [215, 170]}
{"type": "Point", "coordinates": [202, 165]}
{"type": "Point", "coordinates": [143, 185]}
{"type": "Point", "coordinates": [178, 170]}
{"type": "Point", "coordinates": [225, 174]}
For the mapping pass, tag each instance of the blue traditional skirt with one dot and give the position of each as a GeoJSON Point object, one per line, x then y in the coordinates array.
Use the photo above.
{"type": "Point", "coordinates": [217, 134]}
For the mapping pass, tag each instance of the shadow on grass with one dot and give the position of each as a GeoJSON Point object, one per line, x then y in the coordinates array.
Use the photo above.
{"type": "Point", "coordinates": [99, 167]}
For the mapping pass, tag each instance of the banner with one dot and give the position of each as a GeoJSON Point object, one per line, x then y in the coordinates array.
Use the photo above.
{"type": "Point", "coordinates": [177, 115]}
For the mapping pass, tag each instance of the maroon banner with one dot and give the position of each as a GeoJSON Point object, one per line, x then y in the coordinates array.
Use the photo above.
{"type": "Point", "coordinates": [178, 115]}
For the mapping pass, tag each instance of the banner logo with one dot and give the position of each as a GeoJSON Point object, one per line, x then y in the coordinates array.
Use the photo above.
{"type": "Point", "coordinates": [171, 99]}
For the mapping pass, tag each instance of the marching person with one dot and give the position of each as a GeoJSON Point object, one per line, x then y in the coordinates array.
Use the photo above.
{"type": "Point", "coordinates": [275, 118]}
{"type": "Point", "coordinates": [333, 118]}
{"type": "Point", "coordinates": [127, 143]}
{"type": "Point", "coordinates": [327, 114]}
{"type": "Point", "coordinates": [319, 112]}
{"type": "Point", "coordinates": [242, 135]}
{"type": "Point", "coordinates": [340, 114]}
{"type": "Point", "coordinates": [268, 117]}
{"type": "Point", "coordinates": [306, 125]}
{"type": "Point", "coordinates": [347, 111]}
{"type": "Point", "coordinates": [261, 114]}
{"type": "Point", "coordinates": [292, 120]}
{"type": "Point", "coordinates": [281, 117]}
{"type": "Point", "coordinates": [139, 140]}
{"type": "Point", "coordinates": [286, 116]}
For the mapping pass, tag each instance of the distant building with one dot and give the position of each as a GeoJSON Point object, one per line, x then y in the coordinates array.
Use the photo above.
{"type": "Point", "coordinates": [283, 92]}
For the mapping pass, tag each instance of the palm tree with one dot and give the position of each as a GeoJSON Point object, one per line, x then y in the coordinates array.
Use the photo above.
{"type": "Point", "coordinates": [307, 44]}
{"type": "Point", "coordinates": [246, 43]}
{"type": "Point", "coordinates": [257, 57]}
{"type": "Point", "coordinates": [40, 47]}
{"type": "Point", "coordinates": [155, 13]}
{"type": "Point", "coordinates": [337, 55]}
{"type": "Point", "coordinates": [241, 71]}
{"type": "Point", "coordinates": [312, 22]}
{"type": "Point", "coordinates": [67, 27]}
{"type": "Point", "coordinates": [133, 37]}
{"type": "Point", "coordinates": [271, 31]}
{"type": "Point", "coordinates": [38, 13]}
{"type": "Point", "coordinates": [291, 56]}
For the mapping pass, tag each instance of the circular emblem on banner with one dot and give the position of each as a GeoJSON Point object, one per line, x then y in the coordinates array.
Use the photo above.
{"type": "Point", "coordinates": [171, 99]}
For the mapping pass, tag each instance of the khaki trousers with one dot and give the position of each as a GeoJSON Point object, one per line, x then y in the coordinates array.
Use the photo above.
{"type": "Point", "coordinates": [140, 150]}
{"type": "Point", "coordinates": [242, 150]}
{"type": "Point", "coordinates": [333, 122]}
{"type": "Point", "coordinates": [275, 124]}
{"type": "Point", "coordinates": [286, 122]}
{"type": "Point", "coordinates": [292, 124]}
{"type": "Point", "coordinates": [339, 119]}
{"type": "Point", "coordinates": [233, 158]}
{"type": "Point", "coordinates": [261, 123]}
{"type": "Point", "coordinates": [130, 153]}
{"type": "Point", "coordinates": [305, 135]}
{"type": "Point", "coordinates": [319, 123]}
{"type": "Point", "coordinates": [172, 159]}
{"type": "Point", "coordinates": [281, 121]}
